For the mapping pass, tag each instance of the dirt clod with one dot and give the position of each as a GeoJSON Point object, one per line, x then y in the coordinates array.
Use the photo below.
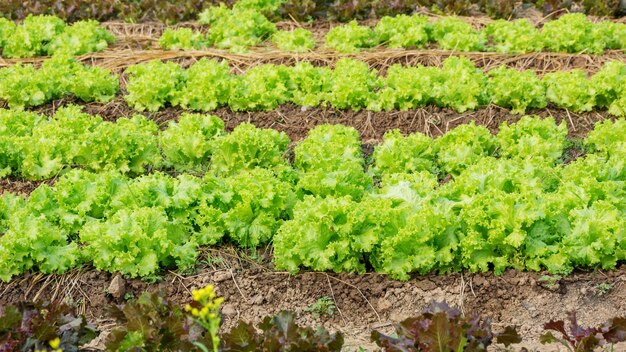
{"type": "Point", "coordinates": [228, 309]}
{"type": "Point", "coordinates": [117, 287]}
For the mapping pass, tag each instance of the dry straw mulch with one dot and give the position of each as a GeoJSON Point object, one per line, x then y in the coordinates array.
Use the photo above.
{"type": "Point", "coordinates": [380, 59]}
{"type": "Point", "coordinates": [138, 43]}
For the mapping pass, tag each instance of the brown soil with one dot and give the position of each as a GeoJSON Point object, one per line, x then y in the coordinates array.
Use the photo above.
{"type": "Point", "coordinates": [364, 302]}
{"type": "Point", "coordinates": [296, 121]}
{"type": "Point", "coordinates": [18, 186]}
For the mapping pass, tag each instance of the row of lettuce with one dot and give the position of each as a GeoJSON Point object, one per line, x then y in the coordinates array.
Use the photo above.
{"type": "Point", "coordinates": [209, 84]}
{"type": "Point", "coordinates": [50, 35]}
{"type": "Point", "coordinates": [27, 86]}
{"type": "Point", "coordinates": [239, 29]}
{"type": "Point", "coordinates": [468, 200]}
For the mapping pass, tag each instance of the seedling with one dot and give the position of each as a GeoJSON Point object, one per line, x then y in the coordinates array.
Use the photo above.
{"type": "Point", "coordinates": [211, 260]}
{"type": "Point", "coordinates": [551, 282]}
{"type": "Point", "coordinates": [603, 288]}
{"type": "Point", "coordinates": [324, 306]}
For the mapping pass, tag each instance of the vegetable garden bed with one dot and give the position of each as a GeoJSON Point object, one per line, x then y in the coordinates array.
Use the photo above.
{"type": "Point", "coordinates": [353, 185]}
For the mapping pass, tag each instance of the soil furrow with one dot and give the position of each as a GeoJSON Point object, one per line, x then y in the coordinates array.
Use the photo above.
{"type": "Point", "coordinates": [296, 121]}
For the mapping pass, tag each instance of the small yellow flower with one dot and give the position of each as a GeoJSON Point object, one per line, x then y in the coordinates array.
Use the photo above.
{"type": "Point", "coordinates": [55, 343]}
{"type": "Point", "coordinates": [208, 315]}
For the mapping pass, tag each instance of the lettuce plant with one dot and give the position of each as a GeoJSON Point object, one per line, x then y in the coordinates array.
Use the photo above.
{"type": "Point", "coordinates": [518, 90]}
{"type": "Point", "coordinates": [15, 127]}
{"type": "Point", "coordinates": [414, 235]}
{"type": "Point", "coordinates": [330, 162]}
{"type": "Point", "coordinates": [262, 87]}
{"type": "Point", "coordinates": [33, 241]}
{"type": "Point", "coordinates": [404, 154]}
{"type": "Point", "coordinates": [49, 35]}
{"type": "Point", "coordinates": [460, 85]}
{"type": "Point", "coordinates": [350, 38]}
{"type": "Point", "coordinates": [452, 33]}
{"type": "Point", "coordinates": [400, 91]}
{"type": "Point", "coordinates": [463, 146]}
{"type": "Point", "coordinates": [515, 37]}
{"type": "Point", "coordinates": [266, 7]}
{"type": "Point", "coordinates": [613, 34]}
{"type": "Point", "coordinates": [208, 86]}
{"type": "Point", "coordinates": [309, 84]}
{"type": "Point", "coordinates": [249, 206]}
{"type": "Point", "coordinates": [181, 39]}
{"type": "Point", "coordinates": [322, 235]}
{"type": "Point", "coordinates": [136, 242]}
{"type": "Point", "coordinates": [151, 85]}
{"type": "Point", "coordinates": [80, 38]}
{"type": "Point", "coordinates": [248, 147]}
{"type": "Point", "coordinates": [33, 36]}
{"type": "Point", "coordinates": [442, 328]}
{"type": "Point", "coordinates": [579, 338]}
{"type": "Point", "coordinates": [609, 85]}
{"type": "Point", "coordinates": [532, 137]}
{"type": "Point", "coordinates": [352, 85]}
{"type": "Point", "coordinates": [607, 137]}
{"type": "Point", "coordinates": [236, 29]}
{"type": "Point", "coordinates": [25, 86]}
{"type": "Point", "coordinates": [43, 326]}
{"type": "Point", "coordinates": [570, 90]}
{"type": "Point", "coordinates": [188, 144]}
{"type": "Point", "coordinates": [572, 33]}
{"type": "Point", "coordinates": [403, 31]}
{"type": "Point", "coordinates": [7, 27]}
{"type": "Point", "coordinates": [93, 83]}
{"type": "Point", "coordinates": [298, 40]}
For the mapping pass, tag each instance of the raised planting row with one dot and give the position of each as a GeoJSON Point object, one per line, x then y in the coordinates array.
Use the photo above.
{"type": "Point", "coordinates": [239, 29]}
{"type": "Point", "coordinates": [468, 200]}
{"type": "Point", "coordinates": [35, 147]}
{"type": "Point", "coordinates": [50, 35]}
{"type": "Point", "coordinates": [154, 323]}
{"type": "Point", "coordinates": [242, 27]}
{"type": "Point", "coordinates": [351, 84]}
